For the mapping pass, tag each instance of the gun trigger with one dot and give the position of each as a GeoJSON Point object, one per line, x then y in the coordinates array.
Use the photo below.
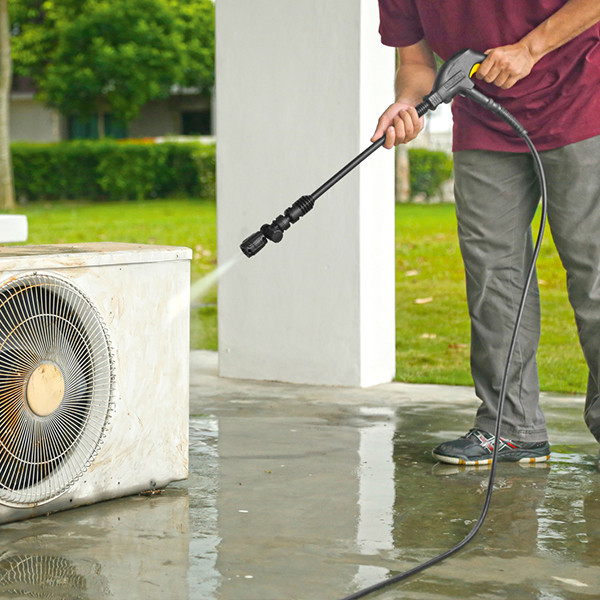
{"type": "Point", "coordinates": [474, 69]}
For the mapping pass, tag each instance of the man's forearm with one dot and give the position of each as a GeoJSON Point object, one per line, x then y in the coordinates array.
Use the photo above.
{"type": "Point", "coordinates": [416, 72]}
{"type": "Point", "coordinates": [400, 122]}
{"type": "Point", "coordinates": [413, 82]}
{"type": "Point", "coordinates": [568, 22]}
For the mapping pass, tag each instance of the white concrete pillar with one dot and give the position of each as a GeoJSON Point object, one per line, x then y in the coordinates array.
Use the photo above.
{"type": "Point", "coordinates": [300, 86]}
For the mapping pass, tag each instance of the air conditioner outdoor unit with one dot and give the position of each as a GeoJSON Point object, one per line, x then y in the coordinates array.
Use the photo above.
{"type": "Point", "coordinates": [94, 358]}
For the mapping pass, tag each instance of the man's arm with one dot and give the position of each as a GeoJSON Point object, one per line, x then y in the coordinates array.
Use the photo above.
{"type": "Point", "coordinates": [414, 78]}
{"type": "Point", "coordinates": [506, 65]}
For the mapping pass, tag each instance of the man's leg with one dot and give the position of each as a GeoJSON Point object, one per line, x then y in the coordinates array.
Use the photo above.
{"type": "Point", "coordinates": [573, 175]}
{"type": "Point", "coordinates": [496, 197]}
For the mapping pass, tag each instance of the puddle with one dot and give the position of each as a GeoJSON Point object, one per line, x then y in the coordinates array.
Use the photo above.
{"type": "Point", "coordinates": [129, 548]}
{"type": "Point", "coordinates": [306, 500]}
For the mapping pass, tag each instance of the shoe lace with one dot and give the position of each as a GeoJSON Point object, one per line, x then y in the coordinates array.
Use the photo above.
{"type": "Point", "coordinates": [487, 440]}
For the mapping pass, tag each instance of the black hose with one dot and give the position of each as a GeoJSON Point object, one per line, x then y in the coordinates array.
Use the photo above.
{"type": "Point", "coordinates": [510, 119]}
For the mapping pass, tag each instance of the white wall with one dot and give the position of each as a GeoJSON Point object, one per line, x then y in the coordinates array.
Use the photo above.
{"type": "Point", "coordinates": [300, 86]}
{"type": "Point", "coordinates": [30, 120]}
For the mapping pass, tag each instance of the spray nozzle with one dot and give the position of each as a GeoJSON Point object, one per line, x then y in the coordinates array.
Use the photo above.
{"type": "Point", "coordinates": [253, 244]}
{"type": "Point", "coordinates": [274, 232]}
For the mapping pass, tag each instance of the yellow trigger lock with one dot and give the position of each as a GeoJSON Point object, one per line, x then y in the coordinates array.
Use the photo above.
{"type": "Point", "coordinates": [474, 69]}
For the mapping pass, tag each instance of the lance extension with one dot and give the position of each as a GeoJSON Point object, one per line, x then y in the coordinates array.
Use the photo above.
{"type": "Point", "coordinates": [454, 77]}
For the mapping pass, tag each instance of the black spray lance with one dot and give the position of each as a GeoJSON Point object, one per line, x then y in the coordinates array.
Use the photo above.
{"type": "Point", "coordinates": [454, 77]}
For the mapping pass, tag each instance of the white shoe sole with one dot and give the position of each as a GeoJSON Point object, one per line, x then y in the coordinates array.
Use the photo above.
{"type": "Point", "coordinates": [452, 460]}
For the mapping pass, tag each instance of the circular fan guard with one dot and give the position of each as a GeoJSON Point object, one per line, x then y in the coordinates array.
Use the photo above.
{"type": "Point", "coordinates": [56, 384]}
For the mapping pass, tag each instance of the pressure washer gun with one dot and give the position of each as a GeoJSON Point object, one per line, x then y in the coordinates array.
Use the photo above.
{"type": "Point", "coordinates": [453, 78]}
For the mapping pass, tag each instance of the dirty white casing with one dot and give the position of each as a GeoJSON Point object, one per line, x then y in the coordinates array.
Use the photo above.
{"type": "Point", "coordinates": [143, 294]}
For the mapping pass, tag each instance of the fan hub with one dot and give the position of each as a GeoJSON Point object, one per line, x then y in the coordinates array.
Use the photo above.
{"type": "Point", "coordinates": [45, 389]}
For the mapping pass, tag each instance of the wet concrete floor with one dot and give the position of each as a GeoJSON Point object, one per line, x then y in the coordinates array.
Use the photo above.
{"type": "Point", "coordinates": [311, 493]}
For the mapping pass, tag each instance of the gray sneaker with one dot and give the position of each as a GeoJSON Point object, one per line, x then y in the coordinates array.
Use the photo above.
{"type": "Point", "coordinates": [477, 446]}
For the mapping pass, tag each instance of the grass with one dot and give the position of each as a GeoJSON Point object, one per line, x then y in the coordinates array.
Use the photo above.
{"type": "Point", "coordinates": [432, 337]}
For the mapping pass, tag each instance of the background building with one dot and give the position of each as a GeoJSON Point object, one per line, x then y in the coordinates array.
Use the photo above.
{"type": "Point", "coordinates": [185, 112]}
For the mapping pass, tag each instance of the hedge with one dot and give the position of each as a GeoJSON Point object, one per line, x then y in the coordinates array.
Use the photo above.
{"type": "Point", "coordinates": [117, 170]}
{"type": "Point", "coordinates": [113, 170]}
{"type": "Point", "coordinates": [429, 169]}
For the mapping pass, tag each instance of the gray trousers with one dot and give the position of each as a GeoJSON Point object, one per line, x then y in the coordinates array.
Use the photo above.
{"type": "Point", "coordinates": [496, 197]}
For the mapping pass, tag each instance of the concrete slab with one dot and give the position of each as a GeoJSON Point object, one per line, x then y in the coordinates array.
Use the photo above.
{"type": "Point", "coordinates": [310, 493]}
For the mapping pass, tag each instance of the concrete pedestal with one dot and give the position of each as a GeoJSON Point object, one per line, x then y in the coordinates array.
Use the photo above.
{"type": "Point", "coordinates": [13, 228]}
{"type": "Point", "coordinates": [300, 86]}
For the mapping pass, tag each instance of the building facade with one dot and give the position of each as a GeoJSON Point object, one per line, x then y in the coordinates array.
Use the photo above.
{"type": "Point", "coordinates": [184, 112]}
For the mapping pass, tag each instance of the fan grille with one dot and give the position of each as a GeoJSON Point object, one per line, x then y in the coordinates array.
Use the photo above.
{"type": "Point", "coordinates": [56, 385]}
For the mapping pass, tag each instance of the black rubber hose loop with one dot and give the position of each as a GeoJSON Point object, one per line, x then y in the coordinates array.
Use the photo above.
{"type": "Point", "coordinates": [512, 121]}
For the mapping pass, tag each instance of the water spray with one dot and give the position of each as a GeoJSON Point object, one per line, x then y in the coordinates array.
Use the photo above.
{"type": "Point", "coordinates": [181, 301]}
{"type": "Point", "coordinates": [202, 286]}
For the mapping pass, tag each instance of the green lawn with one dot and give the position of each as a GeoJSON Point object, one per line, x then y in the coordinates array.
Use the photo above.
{"type": "Point", "coordinates": [431, 315]}
{"type": "Point", "coordinates": [432, 338]}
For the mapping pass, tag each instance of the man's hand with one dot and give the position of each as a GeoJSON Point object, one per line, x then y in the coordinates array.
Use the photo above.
{"type": "Point", "coordinates": [506, 65]}
{"type": "Point", "coordinates": [399, 123]}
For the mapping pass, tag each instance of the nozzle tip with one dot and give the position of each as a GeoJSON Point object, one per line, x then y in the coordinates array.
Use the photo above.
{"type": "Point", "coordinates": [253, 244]}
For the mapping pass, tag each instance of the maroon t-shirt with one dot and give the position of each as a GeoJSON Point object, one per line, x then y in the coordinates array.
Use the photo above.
{"type": "Point", "coordinates": [558, 102]}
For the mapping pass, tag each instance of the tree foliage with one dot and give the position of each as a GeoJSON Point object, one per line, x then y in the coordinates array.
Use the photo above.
{"type": "Point", "coordinates": [429, 170]}
{"type": "Point", "coordinates": [196, 24]}
{"type": "Point", "coordinates": [114, 55]}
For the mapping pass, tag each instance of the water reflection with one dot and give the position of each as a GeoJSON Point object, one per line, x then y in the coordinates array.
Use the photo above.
{"type": "Point", "coordinates": [202, 486]}
{"type": "Point", "coordinates": [317, 504]}
{"type": "Point", "coordinates": [287, 506]}
{"type": "Point", "coordinates": [376, 492]}
{"type": "Point", "coordinates": [537, 542]}
{"type": "Point", "coordinates": [43, 576]}
{"type": "Point", "coordinates": [129, 548]}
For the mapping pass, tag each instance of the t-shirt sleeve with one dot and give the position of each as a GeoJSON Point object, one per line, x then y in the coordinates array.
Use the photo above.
{"type": "Point", "coordinates": [400, 24]}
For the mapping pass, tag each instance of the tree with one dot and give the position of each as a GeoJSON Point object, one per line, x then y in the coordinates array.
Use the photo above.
{"type": "Point", "coordinates": [196, 23]}
{"type": "Point", "coordinates": [7, 195]}
{"type": "Point", "coordinates": [90, 56]}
